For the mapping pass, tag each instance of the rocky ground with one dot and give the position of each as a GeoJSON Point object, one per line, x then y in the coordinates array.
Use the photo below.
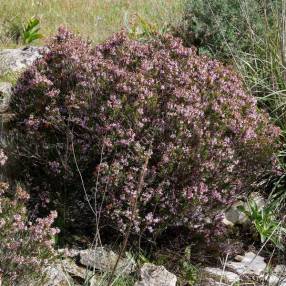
{"type": "Point", "coordinates": [76, 267]}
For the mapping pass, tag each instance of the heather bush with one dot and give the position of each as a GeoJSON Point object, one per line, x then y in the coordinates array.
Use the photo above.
{"type": "Point", "coordinates": [143, 131]}
{"type": "Point", "coordinates": [25, 247]}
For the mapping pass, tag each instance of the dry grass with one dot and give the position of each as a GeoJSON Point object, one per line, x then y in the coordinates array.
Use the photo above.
{"type": "Point", "coordinates": [95, 19]}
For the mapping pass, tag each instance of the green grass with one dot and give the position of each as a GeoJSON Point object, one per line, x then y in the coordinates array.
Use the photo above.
{"type": "Point", "coordinates": [93, 19]}
{"type": "Point", "coordinates": [9, 77]}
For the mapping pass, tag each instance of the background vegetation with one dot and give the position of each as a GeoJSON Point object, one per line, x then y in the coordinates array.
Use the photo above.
{"type": "Point", "coordinates": [95, 20]}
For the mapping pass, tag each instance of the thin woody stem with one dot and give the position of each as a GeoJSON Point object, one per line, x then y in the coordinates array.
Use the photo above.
{"type": "Point", "coordinates": [133, 211]}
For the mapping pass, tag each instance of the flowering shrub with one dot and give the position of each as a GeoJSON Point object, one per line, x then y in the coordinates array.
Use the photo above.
{"type": "Point", "coordinates": [88, 119]}
{"type": "Point", "coordinates": [25, 247]}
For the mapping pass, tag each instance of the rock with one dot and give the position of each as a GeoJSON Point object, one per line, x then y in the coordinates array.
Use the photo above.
{"type": "Point", "coordinates": [56, 276]}
{"type": "Point", "coordinates": [5, 96]}
{"type": "Point", "coordinates": [94, 281]}
{"type": "Point", "coordinates": [274, 280]}
{"type": "Point", "coordinates": [211, 282]}
{"type": "Point", "coordinates": [74, 270]}
{"type": "Point", "coordinates": [152, 275]}
{"type": "Point", "coordinates": [220, 275]}
{"type": "Point", "coordinates": [249, 264]}
{"type": "Point", "coordinates": [234, 216]}
{"type": "Point", "coordinates": [278, 276]}
{"type": "Point", "coordinates": [102, 280]}
{"type": "Point", "coordinates": [13, 60]}
{"type": "Point", "coordinates": [104, 260]}
{"type": "Point", "coordinates": [280, 270]}
{"type": "Point", "coordinates": [53, 275]}
{"type": "Point", "coordinates": [97, 280]}
{"type": "Point", "coordinates": [69, 252]}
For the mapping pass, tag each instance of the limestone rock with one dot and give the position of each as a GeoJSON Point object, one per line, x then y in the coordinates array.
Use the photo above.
{"type": "Point", "coordinates": [220, 275]}
{"type": "Point", "coordinates": [152, 275]}
{"type": "Point", "coordinates": [97, 280]}
{"type": "Point", "coordinates": [212, 282]}
{"type": "Point", "coordinates": [280, 270]}
{"type": "Point", "coordinates": [274, 280]}
{"type": "Point", "coordinates": [5, 96]}
{"type": "Point", "coordinates": [234, 216]}
{"type": "Point", "coordinates": [69, 252]}
{"type": "Point", "coordinates": [56, 276]}
{"type": "Point", "coordinates": [14, 60]}
{"type": "Point", "coordinates": [104, 260]}
{"type": "Point", "coordinates": [249, 264]}
{"type": "Point", "coordinates": [94, 281]}
{"type": "Point", "coordinates": [53, 275]}
{"type": "Point", "coordinates": [74, 270]}
{"type": "Point", "coordinates": [278, 276]}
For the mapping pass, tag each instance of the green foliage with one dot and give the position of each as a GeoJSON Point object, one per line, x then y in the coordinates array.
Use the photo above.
{"type": "Point", "coordinates": [141, 29]}
{"type": "Point", "coordinates": [262, 65]}
{"type": "Point", "coordinates": [222, 27]}
{"type": "Point", "coordinates": [11, 77]}
{"type": "Point", "coordinates": [20, 32]}
{"type": "Point", "coordinates": [31, 31]}
{"type": "Point", "coordinates": [247, 33]}
{"type": "Point", "coordinates": [124, 281]}
{"type": "Point", "coordinates": [189, 271]}
{"type": "Point", "coordinates": [119, 280]}
{"type": "Point", "coordinates": [142, 259]}
{"type": "Point", "coordinates": [266, 222]}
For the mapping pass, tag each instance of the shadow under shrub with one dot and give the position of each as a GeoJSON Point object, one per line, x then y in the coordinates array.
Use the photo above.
{"type": "Point", "coordinates": [87, 119]}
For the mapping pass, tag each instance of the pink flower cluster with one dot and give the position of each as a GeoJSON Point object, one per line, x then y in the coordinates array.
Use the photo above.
{"type": "Point", "coordinates": [102, 110]}
{"type": "Point", "coordinates": [25, 247]}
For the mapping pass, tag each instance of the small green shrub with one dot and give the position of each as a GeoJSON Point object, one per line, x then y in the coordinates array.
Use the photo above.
{"type": "Point", "coordinates": [88, 120]}
{"type": "Point", "coordinates": [223, 27]}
